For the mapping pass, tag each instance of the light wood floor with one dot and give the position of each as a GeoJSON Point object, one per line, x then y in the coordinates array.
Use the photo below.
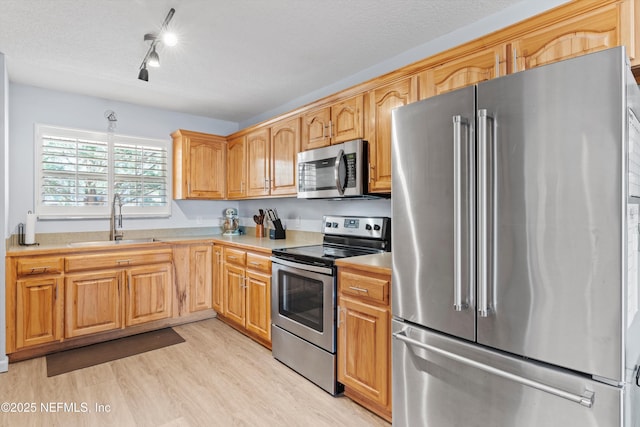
{"type": "Point", "coordinates": [218, 377]}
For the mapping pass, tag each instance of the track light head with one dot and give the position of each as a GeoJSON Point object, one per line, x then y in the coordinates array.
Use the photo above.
{"type": "Point", "coordinates": [144, 73]}
{"type": "Point", "coordinates": [154, 59]}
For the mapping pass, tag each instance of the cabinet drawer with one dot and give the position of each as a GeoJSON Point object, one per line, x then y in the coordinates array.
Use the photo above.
{"type": "Point", "coordinates": [103, 260]}
{"type": "Point", "coordinates": [40, 265]}
{"type": "Point", "coordinates": [372, 288]}
{"type": "Point", "coordinates": [258, 262]}
{"type": "Point", "coordinates": [235, 256]}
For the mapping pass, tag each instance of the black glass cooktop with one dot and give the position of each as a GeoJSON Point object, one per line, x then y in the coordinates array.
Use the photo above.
{"type": "Point", "coordinates": [321, 254]}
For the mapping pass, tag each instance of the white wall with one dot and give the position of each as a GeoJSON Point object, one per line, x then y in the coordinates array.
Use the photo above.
{"type": "Point", "coordinates": [4, 197]}
{"type": "Point", "coordinates": [504, 18]}
{"type": "Point", "coordinates": [306, 215]}
{"type": "Point", "coordinates": [30, 105]}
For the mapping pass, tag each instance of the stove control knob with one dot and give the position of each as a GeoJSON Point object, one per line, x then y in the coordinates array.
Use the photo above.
{"type": "Point", "coordinates": [328, 225]}
{"type": "Point", "coordinates": [368, 227]}
{"type": "Point", "coordinates": [335, 225]}
{"type": "Point", "coordinates": [376, 227]}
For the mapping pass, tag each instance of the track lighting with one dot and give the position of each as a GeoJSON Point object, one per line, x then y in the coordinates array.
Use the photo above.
{"type": "Point", "coordinates": [152, 59]}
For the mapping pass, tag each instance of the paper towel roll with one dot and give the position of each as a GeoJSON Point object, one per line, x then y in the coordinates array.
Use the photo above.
{"type": "Point", "coordinates": [30, 229]}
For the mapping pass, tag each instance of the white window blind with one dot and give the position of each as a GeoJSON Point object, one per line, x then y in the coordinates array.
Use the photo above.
{"type": "Point", "coordinates": [79, 172]}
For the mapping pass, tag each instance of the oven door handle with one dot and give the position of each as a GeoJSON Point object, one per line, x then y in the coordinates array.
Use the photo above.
{"type": "Point", "coordinates": [315, 268]}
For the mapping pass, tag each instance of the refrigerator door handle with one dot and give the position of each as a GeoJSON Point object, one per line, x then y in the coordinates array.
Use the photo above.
{"type": "Point", "coordinates": [485, 167]}
{"type": "Point", "coordinates": [458, 233]}
{"type": "Point", "coordinates": [585, 399]}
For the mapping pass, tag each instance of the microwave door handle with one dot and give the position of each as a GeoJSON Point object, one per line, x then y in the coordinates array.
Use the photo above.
{"type": "Point", "coordinates": [336, 172]}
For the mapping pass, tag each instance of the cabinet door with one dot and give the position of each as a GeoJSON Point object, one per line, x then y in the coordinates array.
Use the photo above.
{"type": "Point", "coordinates": [38, 311]}
{"type": "Point", "coordinates": [236, 168]}
{"type": "Point", "coordinates": [259, 304]}
{"type": "Point", "coordinates": [347, 120]}
{"type": "Point", "coordinates": [465, 71]}
{"type": "Point", "coordinates": [92, 303]}
{"type": "Point", "coordinates": [258, 163]}
{"type": "Point", "coordinates": [587, 33]}
{"type": "Point", "coordinates": [315, 129]}
{"type": "Point", "coordinates": [364, 349]}
{"type": "Point", "coordinates": [148, 293]}
{"type": "Point", "coordinates": [200, 277]}
{"type": "Point", "coordinates": [382, 101]}
{"type": "Point", "coordinates": [285, 145]}
{"type": "Point", "coordinates": [217, 293]}
{"type": "Point", "coordinates": [234, 294]}
{"type": "Point", "coordinates": [207, 165]}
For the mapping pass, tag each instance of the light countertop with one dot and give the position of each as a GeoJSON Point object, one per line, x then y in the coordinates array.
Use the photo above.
{"type": "Point", "coordinates": [375, 263]}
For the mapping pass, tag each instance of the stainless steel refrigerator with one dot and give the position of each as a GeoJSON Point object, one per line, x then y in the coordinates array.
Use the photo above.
{"type": "Point", "coordinates": [515, 251]}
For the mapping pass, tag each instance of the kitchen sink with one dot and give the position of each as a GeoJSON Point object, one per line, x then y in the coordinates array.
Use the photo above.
{"type": "Point", "coordinates": [111, 242]}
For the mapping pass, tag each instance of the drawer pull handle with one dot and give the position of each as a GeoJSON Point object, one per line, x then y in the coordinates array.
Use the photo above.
{"type": "Point", "coordinates": [355, 288]}
{"type": "Point", "coordinates": [232, 257]}
{"type": "Point", "coordinates": [123, 261]}
{"type": "Point", "coordinates": [39, 269]}
{"type": "Point", "coordinates": [254, 263]}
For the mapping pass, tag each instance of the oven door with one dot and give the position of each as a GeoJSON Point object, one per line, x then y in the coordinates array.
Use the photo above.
{"type": "Point", "coordinates": [303, 302]}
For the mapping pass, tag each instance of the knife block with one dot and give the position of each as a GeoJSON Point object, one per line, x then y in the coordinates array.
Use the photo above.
{"type": "Point", "coordinates": [278, 232]}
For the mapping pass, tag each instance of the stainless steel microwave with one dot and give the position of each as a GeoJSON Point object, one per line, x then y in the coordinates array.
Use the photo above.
{"type": "Point", "coordinates": [335, 171]}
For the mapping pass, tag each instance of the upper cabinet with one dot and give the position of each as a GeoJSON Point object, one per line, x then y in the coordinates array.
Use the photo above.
{"type": "Point", "coordinates": [257, 143]}
{"type": "Point", "coordinates": [263, 162]}
{"type": "Point", "coordinates": [339, 122]}
{"type": "Point", "coordinates": [285, 145]}
{"type": "Point", "coordinates": [467, 70]}
{"type": "Point", "coordinates": [382, 101]}
{"type": "Point", "coordinates": [199, 164]}
{"type": "Point", "coordinates": [236, 168]}
{"type": "Point", "coordinates": [600, 29]}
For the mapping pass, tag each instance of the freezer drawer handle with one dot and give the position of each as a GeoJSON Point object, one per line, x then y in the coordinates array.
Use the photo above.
{"type": "Point", "coordinates": [586, 399]}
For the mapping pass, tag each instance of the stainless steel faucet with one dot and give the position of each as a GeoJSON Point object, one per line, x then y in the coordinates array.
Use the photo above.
{"type": "Point", "coordinates": [116, 232]}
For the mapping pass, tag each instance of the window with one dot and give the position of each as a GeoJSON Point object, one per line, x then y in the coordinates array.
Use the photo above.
{"type": "Point", "coordinates": [79, 172]}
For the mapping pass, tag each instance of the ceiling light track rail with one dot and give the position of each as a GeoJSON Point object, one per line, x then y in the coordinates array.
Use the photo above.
{"type": "Point", "coordinates": [151, 58]}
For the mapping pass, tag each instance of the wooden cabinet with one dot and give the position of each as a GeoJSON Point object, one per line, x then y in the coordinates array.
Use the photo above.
{"type": "Point", "coordinates": [199, 165]}
{"type": "Point", "coordinates": [263, 162]}
{"type": "Point", "coordinates": [258, 289]}
{"type": "Point", "coordinates": [38, 308]}
{"type": "Point", "coordinates": [140, 282]}
{"type": "Point", "coordinates": [247, 293]}
{"type": "Point", "coordinates": [600, 29]}
{"type": "Point", "coordinates": [236, 168]}
{"type": "Point", "coordinates": [339, 122]}
{"type": "Point", "coordinates": [193, 278]}
{"type": "Point", "coordinates": [92, 303]}
{"type": "Point", "coordinates": [35, 301]}
{"type": "Point", "coordinates": [382, 101]}
{"type": "Point", "coordinates": [257, 143]}
{"type": "Point", "coordinates": [285, 145]}
{"type": "Point", "coordinates": [217, 297]}
{"type": "Point", "coordinates": [364, 338]}
{"type": "Point", "coordinates": [148, 293]}
{"type": "Point", "coordinates": [468, 70]}
{"type": "Point", "coordinates": [200, 277]}
{"type": "Point", "coordinates": [234, 290]}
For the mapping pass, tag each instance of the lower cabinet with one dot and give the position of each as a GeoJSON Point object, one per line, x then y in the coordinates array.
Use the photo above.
{"type": "Point", "coordinates": [364, 338]}
{"type": "Point", "coordinates": [148, 293]}
{"type": "Point", "coordinates": [217, 294]}
{"type": "Point", "coordinates": [247, 293]}
{"type": "Point", "coordinates": [92, 303]}
{"type": "Point", "coordinates": [39, 314]}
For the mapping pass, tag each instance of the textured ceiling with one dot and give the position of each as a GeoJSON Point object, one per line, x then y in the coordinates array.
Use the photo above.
{"type": "Point", "coordinates": [235, 59]}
